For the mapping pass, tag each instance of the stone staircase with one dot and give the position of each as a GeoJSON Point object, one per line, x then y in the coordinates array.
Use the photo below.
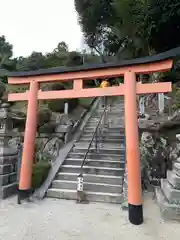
{"type": "Point", "coordinates": [103, 170]}
{"type": "Point", "coordinates": [168, 196]}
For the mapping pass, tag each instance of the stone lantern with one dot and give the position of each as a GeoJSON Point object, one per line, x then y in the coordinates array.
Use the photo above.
{"type": "Point", "coordinates": [8, 155]}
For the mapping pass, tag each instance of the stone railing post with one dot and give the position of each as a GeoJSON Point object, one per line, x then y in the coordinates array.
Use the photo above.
{"type": "Point", "coordinates": [142, 105]}
{"type": "Point", "coordinates": [161, 103]}
{"type": "Point", "coordinates": [66, 108]}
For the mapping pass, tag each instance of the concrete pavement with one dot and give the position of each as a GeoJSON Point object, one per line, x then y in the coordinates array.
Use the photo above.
{"type": "Point", "coordinates": [62, 219]}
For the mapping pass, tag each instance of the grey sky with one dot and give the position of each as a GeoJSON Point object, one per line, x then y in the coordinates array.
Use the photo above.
{"type": "Point", "coordinates": [38, 25]}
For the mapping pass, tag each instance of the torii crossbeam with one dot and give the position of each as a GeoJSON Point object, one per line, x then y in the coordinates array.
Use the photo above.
{"type": "Point", "coordinates": [128, 69]}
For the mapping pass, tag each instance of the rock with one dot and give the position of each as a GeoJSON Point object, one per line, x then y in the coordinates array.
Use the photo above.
{"type": "Point", "coordinates": [64, 119]}
{"type": "Point", "coordinates": [153, 156]}
{"type": "Point", "coordinates": [147, 139]}
{"type": "Point", "coordinates": [144, 117]}
{"type": "Point", "coordinates": [14, 142]}
{"type": "Point", "coordinates": [53, 146]}
{"type": "Point", "coordinates": [176, 116]}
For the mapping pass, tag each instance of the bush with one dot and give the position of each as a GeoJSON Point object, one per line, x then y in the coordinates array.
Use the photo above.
{"type": "Point", "coordinates": [85, 102]}
{"type": "Point", "coordinates": [72, 103]}
{"type": "Point", "coordinates": [2, 89]}
{"type": "Point", "coordinates": [48, 128]}
{"type": "Point", "coordinates": [58, 105]}
{"type": "Point", "coordinates": [58, 86]}
{"type": "Point", "coordinates": [44, 116]}
{"type": "Point", "coordinates": [40, 173]}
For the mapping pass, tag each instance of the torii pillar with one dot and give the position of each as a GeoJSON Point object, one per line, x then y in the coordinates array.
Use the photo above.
{"type": "Point", "coordinates": [28, 154]}
{"type": "Point", "coordinates": [132, 150]}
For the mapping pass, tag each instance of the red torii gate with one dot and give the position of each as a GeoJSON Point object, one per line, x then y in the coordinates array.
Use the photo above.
{"type": "Point", "coordinates": [128, 69]}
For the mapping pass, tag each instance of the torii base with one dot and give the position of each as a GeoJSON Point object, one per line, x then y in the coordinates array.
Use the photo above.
{"type": "Point", "coordinates": [136, 214]}
{"type": "Point", "coordinates": [23, 195]}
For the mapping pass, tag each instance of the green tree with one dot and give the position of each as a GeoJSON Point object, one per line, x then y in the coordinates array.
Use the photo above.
{"type": "Point", "coordinates": [6, 63]}
{"type": "Point", "coordinates": [129, 28]}
{"type": "Point", "coordinates": [34, 62]}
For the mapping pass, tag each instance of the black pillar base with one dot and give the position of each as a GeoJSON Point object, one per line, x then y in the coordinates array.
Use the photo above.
{"type": "Point", "coordinates": [23, 194]}
{"type": "Point", "coordinates": [136, 214]}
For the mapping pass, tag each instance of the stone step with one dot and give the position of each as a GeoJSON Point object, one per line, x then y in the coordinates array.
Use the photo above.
{"type": "Point", "coordinates": [113, 111]}
{"type": "Point", "coordinates": [114, 135]}
{"type": "Point", "coordinates": [82, 149]}
{"type": "Point", "coordinates": [102, 140]}
{"type": "Point", "coordinates": [109, 130]}
{"type": "Point", "coordinates": [168, 211]}
{"type": "Point", "coordinates": [93, 178]}
{"type": "Point", "coordinates": [83, 144]}
{"type": "Point", "coordinates": [91, 155]}
{"type": "Point", "coordinates": [113, 106]}
{"type": "Point", "coordinates": [111, 120]}
{"type": "Point", "coordinates": [8, 190]}
{"type": "Point", "coordinates": [91, 196]}
{"type": "Point", "coordinates": [172, 195]}
{"type": "Point", "coordinates": [87, 186]}
{"type": "Point", "coordinates": [92, 170]}
{"type": "Point", "coordinates": [173, 179]}
{"type": "Point", "coordinates": [110, 116]}
{"type": "Point", "coordinates": [98, 163]}
{"type": "Point", "coordinates": [110, 125]}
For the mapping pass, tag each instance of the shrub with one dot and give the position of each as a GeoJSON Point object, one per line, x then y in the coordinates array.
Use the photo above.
{"type": "Point", "coordinates": [2, 89]}
{"type": "Point", "coordinates": [72, 103]}
{"type": "Point", "coordinates": [48, 128]}
{"type": "Point", "coordinates": [85, 102]}
{"type": "Point", "coordinates": [58, 105]}
{"type": "Point", "coordinates": [44, 116]}
{"type": "Point", "coordinates": [40, 173]}
{"type": "Point", "coordinates": [58, 86]}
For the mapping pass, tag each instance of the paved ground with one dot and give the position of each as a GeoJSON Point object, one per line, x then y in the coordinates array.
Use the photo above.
{"type": "Point", "coordinates": [52, 219]}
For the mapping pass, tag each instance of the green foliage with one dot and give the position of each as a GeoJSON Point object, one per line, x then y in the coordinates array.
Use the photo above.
{"type": "Point", "coordinates": [6, 63]}
{"type": "Point", "coordinates": [2, 89]}
{"type": "Point", "coordinates": [85, 102]}
{"type": "Point", "coordinates": [44, 116]}
{"type": "Point", "coordinates": [34, 62]}
{"type": "Point", "coordinates": [58, 105]}
{"type": "Point", "coordinates": [40, 173]}
{"type": "Point", "coordinates": [72, 103]}
{"type": "Point", "coordinates": [129, 28]}
{"type": "Point", "coordinates": [58, 86]}
{"type": "Point", "coordinates": [176, 97]}
{"type": "Point", "coordinates": [74, 59]}
{"type": "Point", "coordinates": [47, 128]}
